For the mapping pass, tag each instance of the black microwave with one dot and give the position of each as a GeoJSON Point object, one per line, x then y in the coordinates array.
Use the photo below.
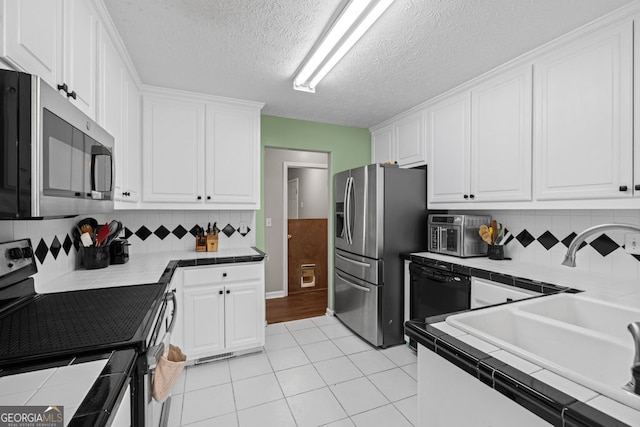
{"type": "Point", "coordinates": [55, 160]}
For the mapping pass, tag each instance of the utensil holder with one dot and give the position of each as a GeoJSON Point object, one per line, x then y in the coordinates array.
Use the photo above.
{"type": "Point", "coordinates": [95, 257]}
{"type": "Point", "coordinates": [495, 252]}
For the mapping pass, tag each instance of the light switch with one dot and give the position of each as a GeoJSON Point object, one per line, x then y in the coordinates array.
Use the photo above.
{"type": "Point", "coordinates": [243, 227]}
{"type": "Point", "coordinates": [632, 243]}
{"type": "Point", "coordinates": [268, 222]}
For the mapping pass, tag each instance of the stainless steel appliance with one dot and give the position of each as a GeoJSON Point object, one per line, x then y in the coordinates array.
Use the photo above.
{"type": "Point", "coordinates": [55, 160]}
{"type": "Point", "coordinates": [37, 328]}
{"type": "Point", "coordinates": [435, 291]}
{"type": "Point", "coordinates": [380, 211]}
{"type": "Point", "coordinates": [457, 235]}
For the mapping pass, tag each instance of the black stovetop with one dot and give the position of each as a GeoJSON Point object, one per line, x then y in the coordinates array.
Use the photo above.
{"type": "Point", "coordinates": [72, 323]}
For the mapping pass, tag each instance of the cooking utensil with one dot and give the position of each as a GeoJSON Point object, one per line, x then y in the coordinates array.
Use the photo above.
{"type": "Point", "coordinates": [103, 233]}
{"type": "Point", "coordinates": [485, 233]}
{"type": "Point", "coordinates": [494, 231]}
{"type": "Point", "coordinates": [86, 240]}
{"type": "Point", "coordinates": [115, 227]}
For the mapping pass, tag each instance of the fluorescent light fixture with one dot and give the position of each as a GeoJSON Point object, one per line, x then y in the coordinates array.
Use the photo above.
{"type": "Point", "coordinates": [354, 20]}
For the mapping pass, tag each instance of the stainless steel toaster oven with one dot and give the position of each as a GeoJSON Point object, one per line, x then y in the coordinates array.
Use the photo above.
{"type": "Point", "coordinates": [457, 235]}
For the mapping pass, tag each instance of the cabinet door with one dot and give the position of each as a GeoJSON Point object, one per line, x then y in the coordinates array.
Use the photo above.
{"type": "Point", "coordinates": [203, 320]}
{"type": "Point", "coordinates": [410, 140]}
{"type": "Point", "coordinates": [244, 315]}
{"type": "Point", "coordinates": [233, 157]}
{"type": "Point", "coordinates": [448, 137]}
{"type": "Point", "coordinates": [383, 149]}
{"type": "Point", "coordinates": [128, 151]}
{"type": "Point", "coordinates": [79, 53]}
{"type": "Point", "coordinates": [111, 88]}
{"type": "Point", "coordinates": [583, 128]}
{"type": "Point", "coordinates": [33, 37]}
{"type": "Point", "coordinates": [501, 138]}
{"type": "Point", "coordinates": [172, 150]}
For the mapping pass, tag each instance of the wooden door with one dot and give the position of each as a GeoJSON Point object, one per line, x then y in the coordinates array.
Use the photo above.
{"type": "Point", "coordinates": [307, 246]}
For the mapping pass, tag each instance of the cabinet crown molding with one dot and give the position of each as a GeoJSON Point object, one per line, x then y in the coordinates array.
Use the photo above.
{"type": "Point", "coordinates": [201, 97]}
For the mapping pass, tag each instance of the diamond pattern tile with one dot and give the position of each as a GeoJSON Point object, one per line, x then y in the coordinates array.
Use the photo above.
{"type": "Point", "coordinates": [194, 230]}
{"type": "Point", "coordinates": [41, 251]}
{"type": "Point", "coordinates": [604, 245]}
{"type": "Point", "coordinates": [244, 234]}
{"type": "Point", "coordinates": [228, 230]}
{"type": "Point", "coordinates": [55, 247]}
{"type": "Point", "coordinates": [67, 244]}
{"type": "Point", "coordinates": [509, 240]}
{"type": "Point", "coordinates": [162, 232]}
{"type": "Point", "coordinates": [179, 232]}
{"type": "Point", "coordinates": [567, 241]}
{"type": "Point", "coordinates": [76, 244]}
{"type": "Point", "coordinates": [127, 233]}
{"type": "Point", "coordinates": [143, 233]}
{"type": "Point", "coordinates": [547, 240]}
{"type": "Point", "coordinates": [525, 238]}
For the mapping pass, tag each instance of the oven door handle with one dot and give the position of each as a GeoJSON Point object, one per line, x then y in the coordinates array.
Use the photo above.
{"type": "Point", "coordinates": [174, 313]}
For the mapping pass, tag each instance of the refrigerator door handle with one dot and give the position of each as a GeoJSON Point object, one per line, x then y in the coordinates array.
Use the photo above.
{"type": "Point", "coordinates": [347, 213]}
{"type": "Point", "coordinates": [353, 285]}
{"type": "Point", "coordinates": [361, 264]}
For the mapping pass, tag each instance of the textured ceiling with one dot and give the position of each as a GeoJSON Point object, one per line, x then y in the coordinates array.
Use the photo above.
{"type": "Point", "coordinates": [418, 49]}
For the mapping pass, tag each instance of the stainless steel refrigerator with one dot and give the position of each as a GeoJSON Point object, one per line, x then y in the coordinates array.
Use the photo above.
{"type": "Point", "coordinates": [380, 212]}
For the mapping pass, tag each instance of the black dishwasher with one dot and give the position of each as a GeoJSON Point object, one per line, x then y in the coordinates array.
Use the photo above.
{"type": "Point", "coordinates": [435, 291]}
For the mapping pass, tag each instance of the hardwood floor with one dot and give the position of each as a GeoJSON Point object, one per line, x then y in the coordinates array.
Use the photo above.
{"type": "Point", "coordinates": [300, 305]}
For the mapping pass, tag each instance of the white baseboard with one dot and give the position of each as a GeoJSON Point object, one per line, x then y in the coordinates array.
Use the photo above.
{"type": "Point", "coordinates": [330, 312]}
{"type": "Point", "coordinates": [275, 294]}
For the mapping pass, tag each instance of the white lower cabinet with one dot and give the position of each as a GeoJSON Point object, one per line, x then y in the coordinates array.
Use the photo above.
{"type": "Point", "coordinates": [450, 397]}
{"type": "Point", "coordinates": [223, 309]}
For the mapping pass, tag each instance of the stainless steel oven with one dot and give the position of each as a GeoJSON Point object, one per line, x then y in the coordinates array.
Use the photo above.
{"type": "Point", "coordinates": [457, 235]}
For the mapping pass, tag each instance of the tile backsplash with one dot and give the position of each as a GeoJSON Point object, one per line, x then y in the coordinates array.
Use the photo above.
{"type": "Point", "coordinates": [147, 231]}
{"type": "Point", "coordinates": [542, 237]}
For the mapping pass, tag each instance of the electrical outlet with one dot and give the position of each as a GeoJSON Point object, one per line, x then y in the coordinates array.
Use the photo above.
{"type": "Point", "coordinates": [632, 243]}
{"type": "Point", "coordinates": [268, 222]}
{"type": "Point", "coordinates": [243, 227]}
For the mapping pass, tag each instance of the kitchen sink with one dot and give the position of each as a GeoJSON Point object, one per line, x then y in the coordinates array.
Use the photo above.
{"type": "Point", "coordinates": [579, 338]}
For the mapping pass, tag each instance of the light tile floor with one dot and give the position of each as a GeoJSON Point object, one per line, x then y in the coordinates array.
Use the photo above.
{"type": "Point", "coordinates": [313, 372]}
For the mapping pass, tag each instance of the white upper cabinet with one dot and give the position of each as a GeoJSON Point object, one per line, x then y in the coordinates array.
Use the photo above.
{"type": "Point", "coordinates": [127, 150]}
{"type": "Point", "coordinates": [382, 145]}
{"type": "Point", "coordinates": [79, 31]}
{"type": "Point", "coordinates": [32, 32]}
{"type": "Point", "coordinates": [173, 142]}
{"type": "Point", "coordinates": [55, 40]}
{"type": "Point", "coordinates": [200, 151]}
{"type": "Point", "coordinates": [583, 128]}
{"type": "Point", "coordinates": [448, 136]}
{"type": "Point", "coordinates": [402, 141]}
{"type": "Point", "coordinates": [233, 156]}
{"type": "Point", "coordinates": [481, 142]}
{"type": "Point", "coordinates": [501, 138]}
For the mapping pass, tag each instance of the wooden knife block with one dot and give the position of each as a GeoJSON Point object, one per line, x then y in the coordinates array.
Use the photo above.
{"type": "Point", "coordinates": [201, 244]}
{"type": "Point", "coordinates": [212, 242]}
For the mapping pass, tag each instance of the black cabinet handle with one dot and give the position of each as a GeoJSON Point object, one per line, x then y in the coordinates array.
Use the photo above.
{"type": "Point", "coordinates": [199, 197]}
{"type": "Point", "coordinates": [466, 196]}
{"type": "Point", "coordinates": [77, 194]}
{"type": "Point", "coordinates": [220, 292]}
{"type": "Point", "coordinates": [64, 87]}
{"type": "Point", "coordinates": [471, 196]}
{"type": "Point", "coordinates": [637, 187]}
{"type": "Point", "coordinates": [623, 188]}
{"type": "Point", "coordinates": [228, 291]}
{"type": "Point", "coordinates": [208, 197]}
{"type": "Point", "coordinates": [72, 95]}
{"type": "Point", "coordinates": [224, 274]}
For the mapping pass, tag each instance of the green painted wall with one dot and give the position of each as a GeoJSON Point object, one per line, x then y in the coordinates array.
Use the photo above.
{"type": "Point", "coordinates": [348, 147]}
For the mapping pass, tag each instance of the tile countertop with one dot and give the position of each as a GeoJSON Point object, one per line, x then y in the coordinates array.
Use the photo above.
{"type": "Point", "coordinates": [599, 286]}
{"type": "Point", "coordinates": [145, 268]}
{"type": "Point", "coordinates": [623, 292]}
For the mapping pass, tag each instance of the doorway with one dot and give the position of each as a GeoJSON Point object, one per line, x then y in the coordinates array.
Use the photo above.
{"type": "Point", "coordinates": [297, 240]}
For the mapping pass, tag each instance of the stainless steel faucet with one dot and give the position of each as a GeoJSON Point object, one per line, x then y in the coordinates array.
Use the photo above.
{"type": "Point", "coordinates": [634, 385]}
{"type": "Point", "coordinates": [570, 257]}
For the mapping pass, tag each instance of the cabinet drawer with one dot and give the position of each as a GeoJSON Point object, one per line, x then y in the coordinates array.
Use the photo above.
{"type": "Point", "coordinates": [221, 274]}
{"type": "Point", "coordinates": [485, 292]}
